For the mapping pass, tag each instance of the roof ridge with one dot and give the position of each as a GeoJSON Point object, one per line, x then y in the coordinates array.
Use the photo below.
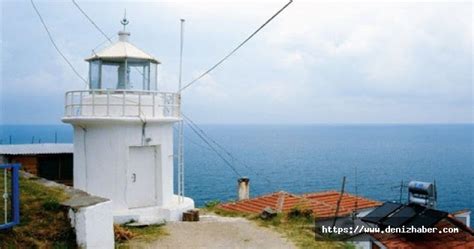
{"type": "Point", "coordinates": [322, 192]}
{"type": "Point", "coordinates": [125, 49]}
{"type": "Point", "coordinates": [320, 202]}
{"type": "Point", "coordinates": [256, 198]}
{"type": "Point", "coordinates": [338, 192]}
{"type": "Point", "coordinates": [280, 202]}
{"type": "Point", "coordinates": [465, 210]}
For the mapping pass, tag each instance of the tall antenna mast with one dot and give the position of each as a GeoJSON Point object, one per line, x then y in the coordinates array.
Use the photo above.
{"type": "Point", "coordinates": [181, 123]}
{"type": "Point", "coordinates": [181, 54]}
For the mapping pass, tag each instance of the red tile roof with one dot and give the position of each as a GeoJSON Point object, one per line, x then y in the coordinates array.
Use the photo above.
{"type": "Point", "coordinates": [347, 206]}
{"type": "Point", "coordinates": [323, 204]}
{"type": "Point", "coordinates": [464, 239]}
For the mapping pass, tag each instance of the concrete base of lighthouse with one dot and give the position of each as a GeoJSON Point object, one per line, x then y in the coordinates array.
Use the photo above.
{"type": "Point", "coordinates": [173, 211]}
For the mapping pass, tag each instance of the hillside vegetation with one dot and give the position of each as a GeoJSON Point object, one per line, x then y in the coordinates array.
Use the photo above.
{"type": "Point", "coordinates": [43, 221]}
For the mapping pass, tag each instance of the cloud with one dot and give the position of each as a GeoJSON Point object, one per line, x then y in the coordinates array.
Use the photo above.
{"type": "Point", "coordinates": [382, 48]}
{"type": "Point", "coordinates": [208, 89]}
{"type": "Point", "coordinates": [316, 62]}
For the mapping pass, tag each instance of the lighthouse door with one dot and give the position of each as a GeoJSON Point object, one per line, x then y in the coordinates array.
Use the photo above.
{"type": "Point", "coordinates": [141, 172]}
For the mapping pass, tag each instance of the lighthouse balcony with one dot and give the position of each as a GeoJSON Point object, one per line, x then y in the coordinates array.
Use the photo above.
{"type": "Point", "coordinates": [121, 104]}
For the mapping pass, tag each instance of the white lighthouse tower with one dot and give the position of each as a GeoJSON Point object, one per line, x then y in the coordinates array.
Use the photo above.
{"type": "Point", "coordinates": [123, 135]}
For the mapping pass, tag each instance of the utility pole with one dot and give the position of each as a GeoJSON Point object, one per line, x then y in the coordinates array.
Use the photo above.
{"type": "Point", "coordinates": [401, 191]}
{"type": "Point", "coordinates": [181, 122]}
{"type": "Point", "coordinates": [339, 200]}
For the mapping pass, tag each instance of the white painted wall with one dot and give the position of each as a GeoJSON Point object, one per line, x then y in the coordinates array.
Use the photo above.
{"type": "Point", "coordinates": [101, 157]}
{"type": "Point", "coordinates": [93, 226]}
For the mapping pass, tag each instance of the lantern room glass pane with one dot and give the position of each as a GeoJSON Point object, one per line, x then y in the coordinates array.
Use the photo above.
{"type": "Point", "coordinates": [139, 75]}
{"type": "Point", "coordinates": [94, 74]}
{"type": "Point", "coordinates": [130, 74]}
{"type": "Point", "coordinates": [112, 75]}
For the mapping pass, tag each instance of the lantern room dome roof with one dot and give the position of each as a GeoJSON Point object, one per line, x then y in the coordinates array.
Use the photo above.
{"type": "Point", "coordinates": [121, 50]}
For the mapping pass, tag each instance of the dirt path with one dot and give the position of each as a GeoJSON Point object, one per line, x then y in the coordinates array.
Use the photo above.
{"type": "Point", "coordinates": [217, 232]}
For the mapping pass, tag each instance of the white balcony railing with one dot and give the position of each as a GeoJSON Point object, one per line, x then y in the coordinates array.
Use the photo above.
{"type": "Point", "coordinates": [122, 103]}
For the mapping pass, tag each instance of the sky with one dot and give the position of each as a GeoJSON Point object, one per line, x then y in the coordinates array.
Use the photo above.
{"type": "Point", "coordinates": [345, 62]}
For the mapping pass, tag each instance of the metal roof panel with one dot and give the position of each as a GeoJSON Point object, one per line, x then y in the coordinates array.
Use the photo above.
{"type": "Point", "coordinates": [34, 149]}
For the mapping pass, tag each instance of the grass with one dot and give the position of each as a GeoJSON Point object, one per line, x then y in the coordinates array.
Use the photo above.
{"type": "Point", "coordinates": [43, 221]}
{"type": "Point", "coordinates": [148, 233]}
{"type": "Point", "coordinates": [125, 234]}
{"type": "Point", "coordinates": [297, 227]}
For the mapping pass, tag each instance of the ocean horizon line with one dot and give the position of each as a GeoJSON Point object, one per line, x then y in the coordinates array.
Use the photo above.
{"type": "Point", "coordinates": [282, 124]}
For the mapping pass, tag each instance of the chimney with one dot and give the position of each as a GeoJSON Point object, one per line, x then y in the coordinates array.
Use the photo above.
{"type": "Point", "coordinates": [244, 188]}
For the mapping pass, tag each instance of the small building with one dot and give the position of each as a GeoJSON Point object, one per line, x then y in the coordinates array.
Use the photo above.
{"type": "Point", "coordinates": [50, 161]}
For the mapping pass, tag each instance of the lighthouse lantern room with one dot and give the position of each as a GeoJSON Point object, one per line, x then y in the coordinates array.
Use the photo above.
{"type": "Point", "coordinates": [122, 66]}
{"type": "Point", "coordinates": [123, 135]}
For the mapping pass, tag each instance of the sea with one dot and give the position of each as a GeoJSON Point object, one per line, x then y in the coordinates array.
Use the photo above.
{"type": "Point", "coordinates": [377, 160]}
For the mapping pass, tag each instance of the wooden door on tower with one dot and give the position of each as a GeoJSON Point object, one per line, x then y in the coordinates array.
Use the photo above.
{"type": "Point", "coordinates": [141, 182]}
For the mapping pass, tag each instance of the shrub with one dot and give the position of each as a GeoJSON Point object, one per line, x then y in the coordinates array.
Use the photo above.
{"type": "Point", "coordinates": [51, 205]}
{"type": "Point", "coordinates": [307, 213]}
{"type": "Point", "coordinates": [297, 212]}
{"type": "Point", "coordinates": [122, 234]}
{"type": "Point", "coordinates": [212, 204]}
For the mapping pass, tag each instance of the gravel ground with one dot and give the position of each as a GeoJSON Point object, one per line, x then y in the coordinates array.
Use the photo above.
{"type": "Point", "coordinates": [216, 232]}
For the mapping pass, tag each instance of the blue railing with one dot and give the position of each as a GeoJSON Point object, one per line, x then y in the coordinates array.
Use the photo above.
{"type": "Point", "coordinates": [10, 195]}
